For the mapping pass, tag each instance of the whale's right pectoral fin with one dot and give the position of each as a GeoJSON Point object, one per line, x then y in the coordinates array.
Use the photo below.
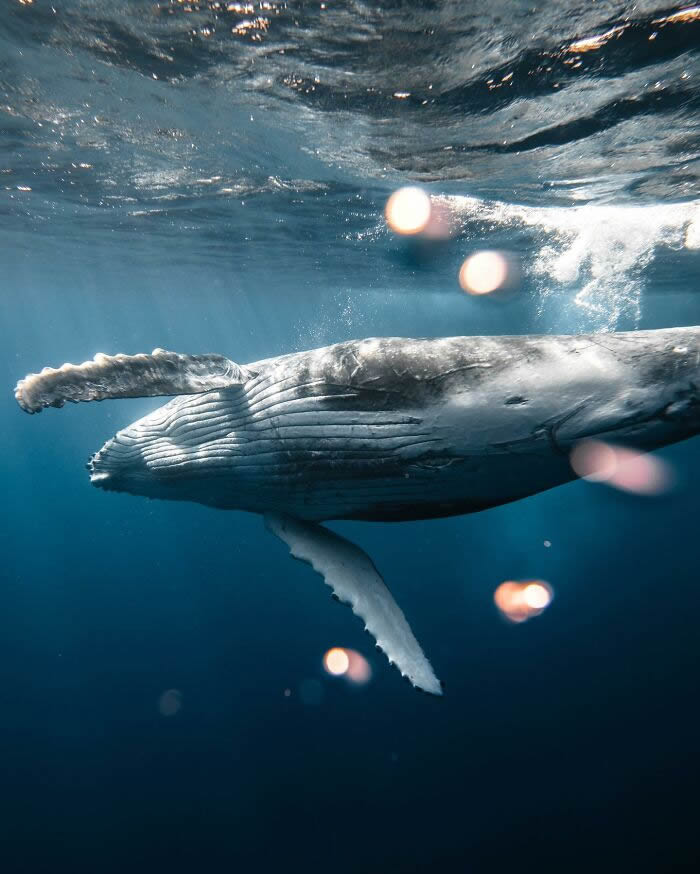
{"type": "Point", "coordinates": [349, 571]}
{"type": "Point", "coordinates": [128, 376]}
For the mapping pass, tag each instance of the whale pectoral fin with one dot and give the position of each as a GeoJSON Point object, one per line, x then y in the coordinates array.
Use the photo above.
{"type": "Point", "coordinates": [128, 376]}
{"type": "Point", "coordinates": [349, 571]}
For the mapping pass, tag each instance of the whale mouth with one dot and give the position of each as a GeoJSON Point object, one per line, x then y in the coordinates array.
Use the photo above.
{"type": "Point", "coordinates": [120, 467]}
{"type": "Point", "coordinates": [103, 471]}
{"type": "Point", "coordinates": [112, 473]}
{"type": "Point", "coordinates": [104, 480]}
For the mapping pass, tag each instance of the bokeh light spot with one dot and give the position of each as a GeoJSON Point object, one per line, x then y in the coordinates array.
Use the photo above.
{"type": "Point", "coordinates": [347, 663]}
{"type": "Point", "coordinates": [484, 272]}
{"type": "Point", "coordinates": [170, 702]}
{"type": "Point", "coordinates": [593, 460]}
{"type": "Point", "coordinates": [359, 670]}
{"type": "Point", "coordinates": [408, 211]}
{"type": "Point", "coordinates": [620, 467]}
{"type": "Point", "coordinates": [336, 661]}
{"type": "Point", "coordinates": [519, 601]}
{"type": "Point", "coordinates": [537, 596]}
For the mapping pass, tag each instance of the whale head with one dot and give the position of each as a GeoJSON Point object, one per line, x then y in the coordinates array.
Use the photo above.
{"type": "Point", "coordinates": [175, 452]}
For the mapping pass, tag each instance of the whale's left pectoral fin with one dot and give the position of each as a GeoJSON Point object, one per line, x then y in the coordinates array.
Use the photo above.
{"type": "Point", "coordinates": [128, 376]}
{"type": "Point", "coordinates": [349, 571]}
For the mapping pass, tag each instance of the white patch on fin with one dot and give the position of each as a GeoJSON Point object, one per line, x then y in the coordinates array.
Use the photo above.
{"type": "Point", "coordinates": [349, 571]}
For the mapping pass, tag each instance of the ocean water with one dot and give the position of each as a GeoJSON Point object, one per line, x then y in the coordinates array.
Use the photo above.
{"type": "Point", "coordinates": [212, 177]}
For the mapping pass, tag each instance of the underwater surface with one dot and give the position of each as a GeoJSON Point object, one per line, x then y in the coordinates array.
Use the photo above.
{"type": "Point", "coordinates": [211, 177]}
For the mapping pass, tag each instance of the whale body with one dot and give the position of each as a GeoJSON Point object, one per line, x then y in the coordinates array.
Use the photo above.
{"type": "Point", "coordinates": [382, 429]}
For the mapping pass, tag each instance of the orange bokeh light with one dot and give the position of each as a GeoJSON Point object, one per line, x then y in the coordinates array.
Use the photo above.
{"type": "Point", "coordinates": [348, 663]}
{"type": "Point", "coordinates": [336, 661]}
{"type": "Point", "coordinates": [485, 272]}
{"type": "Point", "coordinates": [519, 601]}
{"type": "Point", "coordinates": [408, 211]}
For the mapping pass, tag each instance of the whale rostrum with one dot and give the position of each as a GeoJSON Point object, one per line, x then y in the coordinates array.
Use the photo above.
{"type": "Point", "coordinates": [382, 429]}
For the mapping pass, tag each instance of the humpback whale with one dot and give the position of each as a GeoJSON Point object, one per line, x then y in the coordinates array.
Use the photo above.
{"type": "Point", "coordinates": [381, 429]}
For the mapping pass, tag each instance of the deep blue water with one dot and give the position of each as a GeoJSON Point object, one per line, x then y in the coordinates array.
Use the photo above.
{"type": "Point", "coordinates": [209, 177]}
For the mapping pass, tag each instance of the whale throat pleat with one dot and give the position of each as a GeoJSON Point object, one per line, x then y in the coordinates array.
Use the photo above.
{"type": "Point", "coordinates": [128, 376]}
{"type": "Point", "coordinates": [269, 434]}
{"type": "Point", "coordinates": [352, 576]}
